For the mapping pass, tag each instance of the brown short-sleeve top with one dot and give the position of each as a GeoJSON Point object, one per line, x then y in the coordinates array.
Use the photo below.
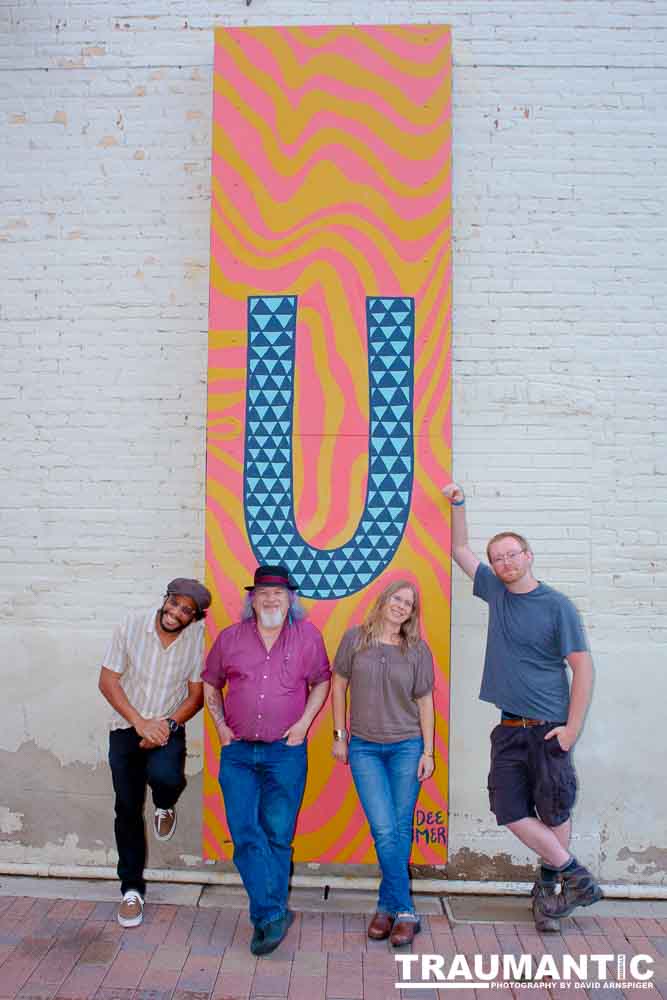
{"type": "Point", "coordinates": [384, 685]}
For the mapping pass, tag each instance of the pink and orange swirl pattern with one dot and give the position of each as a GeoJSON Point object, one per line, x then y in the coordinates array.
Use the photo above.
{"type": "Point", "coordinates": [331, 180]}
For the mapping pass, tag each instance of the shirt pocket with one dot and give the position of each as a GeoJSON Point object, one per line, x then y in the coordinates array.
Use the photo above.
{"type": "Point", "coordinates": [290, 675]}
{"type": "Point", "coordinates": [233, 672]}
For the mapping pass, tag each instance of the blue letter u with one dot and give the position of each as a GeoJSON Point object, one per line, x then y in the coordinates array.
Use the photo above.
{"type": "Point", "coordinates": [268, 500]}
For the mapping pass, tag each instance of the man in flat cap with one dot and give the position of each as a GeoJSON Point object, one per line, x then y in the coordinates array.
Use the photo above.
{"type": "Point", "coordinates": [275, 671]}
{"type": "Point", "coordinates": [151, 677]}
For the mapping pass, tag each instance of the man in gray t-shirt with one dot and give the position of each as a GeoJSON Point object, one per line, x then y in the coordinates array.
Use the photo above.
{"type": "Point", "coordinates": [534, 633]}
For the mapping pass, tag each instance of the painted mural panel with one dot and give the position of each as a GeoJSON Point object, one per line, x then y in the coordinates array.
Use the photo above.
{"type": "Point", "coordinates": [329, 359]}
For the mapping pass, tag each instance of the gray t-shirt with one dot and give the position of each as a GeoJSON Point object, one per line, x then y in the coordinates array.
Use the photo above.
{"type": "Point", "coordinates": [384, 683]}
{"type": "Point", "coordinates": [529, 636]}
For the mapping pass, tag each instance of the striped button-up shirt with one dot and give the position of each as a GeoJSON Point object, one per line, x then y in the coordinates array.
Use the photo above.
{"type": "Point", "coordinates": [154, 679]}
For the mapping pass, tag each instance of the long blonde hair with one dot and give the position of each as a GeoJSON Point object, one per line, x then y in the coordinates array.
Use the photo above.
{"type": "Point", "coordinates": [371, 630]}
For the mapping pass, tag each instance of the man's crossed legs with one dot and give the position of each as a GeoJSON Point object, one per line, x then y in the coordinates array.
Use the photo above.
{"type": "Point", "coordinates": [532, 788]}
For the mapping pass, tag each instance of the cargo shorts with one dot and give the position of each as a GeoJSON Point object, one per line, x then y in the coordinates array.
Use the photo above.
{"type": "Point", "coordinates": [530, 776]}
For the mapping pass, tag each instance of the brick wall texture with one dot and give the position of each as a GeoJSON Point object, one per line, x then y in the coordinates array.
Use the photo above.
{"type": "Point", "coordinates": [560, 385]}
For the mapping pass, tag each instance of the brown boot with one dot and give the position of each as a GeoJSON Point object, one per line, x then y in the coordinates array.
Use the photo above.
{"type": "Point", "coordinates": [543, 923]}
{"type": "Point", "coordinates": [578, 888]}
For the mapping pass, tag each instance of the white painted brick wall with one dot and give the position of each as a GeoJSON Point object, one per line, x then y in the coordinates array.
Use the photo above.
{"type": "Point", "coordinates": [560, 386]}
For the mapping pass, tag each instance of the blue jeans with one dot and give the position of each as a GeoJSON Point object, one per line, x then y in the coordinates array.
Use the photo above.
{"type": "Point", "coordinates": [262, 785]}
{"type": "Point", "coordinates": [385, 776]}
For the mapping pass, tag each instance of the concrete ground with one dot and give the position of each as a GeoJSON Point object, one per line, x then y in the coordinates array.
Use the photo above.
{"type": "Point", "coordinates": [60, 939]}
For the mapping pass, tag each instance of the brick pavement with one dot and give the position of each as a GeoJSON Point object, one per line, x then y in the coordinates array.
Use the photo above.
{"type": "Point", "coordinates": [63, 949]}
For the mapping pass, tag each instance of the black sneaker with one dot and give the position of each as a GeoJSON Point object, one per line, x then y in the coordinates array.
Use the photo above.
{"type": "Point", "coordinates": [273, 934]}
{"type": "Point", "coordinates": [578, 888]}
{"type": "Point", "coordinates": [256, 941]}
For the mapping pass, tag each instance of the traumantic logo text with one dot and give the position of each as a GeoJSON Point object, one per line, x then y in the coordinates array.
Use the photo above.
{"type": "Point", "coordinates": [488, 972]}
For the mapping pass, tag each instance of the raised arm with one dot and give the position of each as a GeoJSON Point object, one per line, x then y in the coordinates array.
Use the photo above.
{"type": "Point", "coordinates": [462, 554]}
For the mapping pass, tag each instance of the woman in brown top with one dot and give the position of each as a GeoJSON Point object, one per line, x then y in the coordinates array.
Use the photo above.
{"type": "Point", "coordinates": [389, 669]}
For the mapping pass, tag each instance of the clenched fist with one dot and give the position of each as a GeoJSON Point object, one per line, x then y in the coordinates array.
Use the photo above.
{"type": "Point", "coordinates": [454, 493]}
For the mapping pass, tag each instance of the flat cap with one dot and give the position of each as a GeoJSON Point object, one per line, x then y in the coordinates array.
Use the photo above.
{"type": "Point", "coordinates": [200, 594]}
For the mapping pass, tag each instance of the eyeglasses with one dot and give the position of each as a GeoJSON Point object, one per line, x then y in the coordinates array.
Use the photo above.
{"type": "Point", "coordinates": [507, 558]}
{"type": "Point", "coordinates": [183, 609]}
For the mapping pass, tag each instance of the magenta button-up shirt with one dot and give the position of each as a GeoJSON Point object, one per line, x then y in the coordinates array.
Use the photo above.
{"type": "Point", "coordinates": [266, 691]}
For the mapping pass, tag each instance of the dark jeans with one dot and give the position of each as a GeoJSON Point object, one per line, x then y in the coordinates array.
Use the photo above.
{"type": "Point", "coordinates": [132, 769]}
{"type": "Point", "coordinates": [262, 785]}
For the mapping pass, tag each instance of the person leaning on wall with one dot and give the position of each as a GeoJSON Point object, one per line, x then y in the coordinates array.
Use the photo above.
{"type": "Point", "coordinates": [534, 633]}
{"type": "Point", "coordinates": [151, 677]}
{"type": "Point", "coordinates": [389, 670]}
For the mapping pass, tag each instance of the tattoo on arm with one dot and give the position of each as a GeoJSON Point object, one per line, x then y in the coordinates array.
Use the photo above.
{"type": "Point", "coordinates": [213, 700]}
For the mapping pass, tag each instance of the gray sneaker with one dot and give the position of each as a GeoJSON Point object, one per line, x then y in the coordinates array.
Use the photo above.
{"type": "Point", "coordinates": [578, 888]}
{"type": "Point", "coordinates": [543, 923]}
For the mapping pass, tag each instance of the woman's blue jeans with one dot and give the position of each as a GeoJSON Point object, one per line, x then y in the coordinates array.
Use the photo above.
{"type": "Point", "coordinates": [385, 776]}
{"type": "Point", "coordinates": [262, 785]}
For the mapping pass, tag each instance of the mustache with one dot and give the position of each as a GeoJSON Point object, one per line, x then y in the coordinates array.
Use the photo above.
{"type": "Point", "coordinates": [180, 627]}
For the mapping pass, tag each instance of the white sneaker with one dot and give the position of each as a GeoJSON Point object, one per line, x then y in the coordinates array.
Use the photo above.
{"type": "Point", "coordinates": [164, 823]}
{"type": "Point", "coordinates": [131, 910]}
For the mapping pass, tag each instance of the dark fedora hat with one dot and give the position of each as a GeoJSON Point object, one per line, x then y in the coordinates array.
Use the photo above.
{"type": "Point", "coordinates": [273, 576]}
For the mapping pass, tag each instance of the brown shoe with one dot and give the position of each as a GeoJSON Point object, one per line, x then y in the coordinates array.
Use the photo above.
{"type": "Point", "coordinates": [164, 823]}
{"type": "Point", "coordinates": [380, 926]}
{"type": "Point", "coordinates": [131, 910]}
{"type": "Point", "coordinates": [403, 931]}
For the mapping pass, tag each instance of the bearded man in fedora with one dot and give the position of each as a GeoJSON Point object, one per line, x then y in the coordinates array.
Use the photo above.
{"type": "Point", "coordinates": [274, 670]}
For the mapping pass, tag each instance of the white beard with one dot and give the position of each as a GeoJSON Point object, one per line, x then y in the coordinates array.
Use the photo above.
{"type": "Point", "coordinates": [271, 619]}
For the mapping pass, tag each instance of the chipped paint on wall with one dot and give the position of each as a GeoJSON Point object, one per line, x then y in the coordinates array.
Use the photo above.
{"type": "Point", "coordinates": [10, 821]}
{"type": "Point", "coordinates": [63, 814]}
{"type": "Point", "coordinates": [473, 865]}
{"type": "Point", "coordinates": [649, 861]}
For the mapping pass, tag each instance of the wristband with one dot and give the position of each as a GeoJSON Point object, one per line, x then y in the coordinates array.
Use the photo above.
{"type": "Point", "coordinates": [340, 734]}
{"type": "Point", "coordinates": [427, 753]}
{"type": "Point", "coordinates": [458, 503]}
